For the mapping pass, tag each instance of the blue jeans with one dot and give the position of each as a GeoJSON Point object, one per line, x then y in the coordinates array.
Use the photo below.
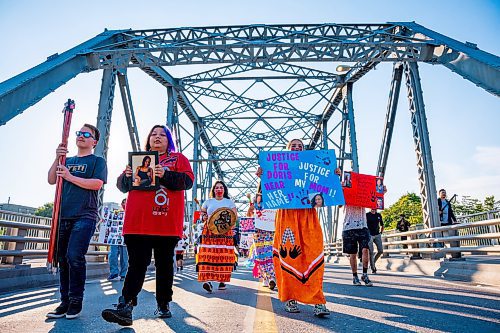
{"type": "Point", "coordinates": [116, 251]}
{"type": "Point", "coordinates": [73, 243]}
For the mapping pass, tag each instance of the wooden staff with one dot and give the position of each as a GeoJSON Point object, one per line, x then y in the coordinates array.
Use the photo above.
{"type": "Point", "coordinates": [69, 106]}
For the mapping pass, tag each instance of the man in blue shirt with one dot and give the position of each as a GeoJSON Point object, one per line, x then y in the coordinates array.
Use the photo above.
{"type": "Point", "coordinates": [83, 177]}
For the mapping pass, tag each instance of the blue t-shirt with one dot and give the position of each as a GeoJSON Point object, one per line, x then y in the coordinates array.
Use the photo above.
{"type": "Point", "coordinates": [77, 202]}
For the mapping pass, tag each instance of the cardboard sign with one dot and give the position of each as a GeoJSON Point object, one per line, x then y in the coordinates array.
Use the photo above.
{"type": "Point", "coordinates": [196, 216]}
{"type": "Point", "coordinates": [246, 241]}
{"type": "Point", "coordinates": [363, 190]}
{"type": "Point", "coordinates": [300, 179]}
{"type": "Point", "coordinates": [111, 226]}
{"type": "Point", "coordinates": [264, 219]}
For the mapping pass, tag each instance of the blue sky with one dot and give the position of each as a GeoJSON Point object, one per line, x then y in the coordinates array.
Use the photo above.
{"type": "Point", "coordinates": [463, 119]}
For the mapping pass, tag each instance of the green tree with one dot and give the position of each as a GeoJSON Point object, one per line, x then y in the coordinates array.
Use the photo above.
{"type": "Point", "coordinates": [409, 204]}
{"type": "Point", "coordinates": [489, 202]}
{"type": "Point", "coordinates": [45, 210]}
{"type": "Point", "coordinates": [468, 205]}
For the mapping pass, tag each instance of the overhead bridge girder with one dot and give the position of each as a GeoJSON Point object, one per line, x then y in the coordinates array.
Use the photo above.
{"type": "Point", "coordinates": [466, 60]}
{"type": "Point", "coordinates": [26, 89]}
{"type": "Point", "coordinates": [252, 44]}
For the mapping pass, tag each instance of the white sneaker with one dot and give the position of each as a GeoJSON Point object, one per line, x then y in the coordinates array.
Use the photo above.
{"type": "Point", "coordinates": [320, 310]}
{"type": "Point", "coordinates": [292, 306]}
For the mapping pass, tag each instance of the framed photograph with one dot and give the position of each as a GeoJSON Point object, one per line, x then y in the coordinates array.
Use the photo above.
{"type": "Point", "coordinates": [143, 175]}
{"type": "Point", "coordinates": [347, 182]}
{"type": "Point", "coordinates": [380, 203]}
{"type": "Point", "coordinates": [379, 185]}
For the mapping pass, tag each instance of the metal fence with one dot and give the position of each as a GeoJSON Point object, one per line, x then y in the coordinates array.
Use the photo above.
{"type": "Point", "coordinates": [475, 233]}
{"type": "Point", "coordinates": [24, 236]}
{"type": "Point", "coordinates": [27, 236]}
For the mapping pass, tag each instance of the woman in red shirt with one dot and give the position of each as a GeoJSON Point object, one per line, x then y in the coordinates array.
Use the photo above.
{"type": "Point", "coordinates": [153, 221]}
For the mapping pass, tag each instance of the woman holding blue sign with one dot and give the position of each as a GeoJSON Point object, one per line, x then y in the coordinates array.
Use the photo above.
{"type": "Point", "coordinates": [298, 255]}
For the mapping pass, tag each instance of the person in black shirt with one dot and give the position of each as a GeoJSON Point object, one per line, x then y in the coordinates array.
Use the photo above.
{"type": "Point", "coordinates": [83, 176]}
{"type": "Point", "coordinates": [376, 228]}
{"type": "Point", "coordinates": [403, 226]}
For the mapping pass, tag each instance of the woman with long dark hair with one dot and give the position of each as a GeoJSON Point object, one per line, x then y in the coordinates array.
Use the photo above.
{"type": "Point", "coordinates": [216, 252]}
{"type": "Point", "coordinates": [153, 222]}
{"type": "Point", "coordinates": [144, 173]}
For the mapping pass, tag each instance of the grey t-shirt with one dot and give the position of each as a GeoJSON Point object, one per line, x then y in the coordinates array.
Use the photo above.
{"type": "Point", "coordinates": [211, 205]}
{"type": "Point", "coordinates": [355, 217]}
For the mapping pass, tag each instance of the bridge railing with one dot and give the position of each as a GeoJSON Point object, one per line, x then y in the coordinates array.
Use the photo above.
{"type": "Point", "coordinates": [473, 237]}
{"type": "Point", "coordinates": [24, 236]}
{"type": "Point", "coordinates": [475, 233]}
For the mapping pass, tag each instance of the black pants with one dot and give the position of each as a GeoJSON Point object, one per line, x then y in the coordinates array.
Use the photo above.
{"type": "Point", "coordinates": [140, 249]}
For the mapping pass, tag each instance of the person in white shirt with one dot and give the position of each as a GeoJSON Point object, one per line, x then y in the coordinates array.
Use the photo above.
{"type": "Point", "coordinates": [216, 251]}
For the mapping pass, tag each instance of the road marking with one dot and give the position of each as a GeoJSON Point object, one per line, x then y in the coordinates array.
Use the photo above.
{"type": "Point", "coordinates": [264, 316]}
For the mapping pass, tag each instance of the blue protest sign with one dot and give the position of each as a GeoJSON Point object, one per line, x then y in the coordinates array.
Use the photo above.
{"type": "Point", "coordinates": [300, 179]}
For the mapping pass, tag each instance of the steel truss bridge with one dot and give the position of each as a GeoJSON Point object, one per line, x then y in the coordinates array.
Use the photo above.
{"type": "Point", "coordinates": [254, 87]}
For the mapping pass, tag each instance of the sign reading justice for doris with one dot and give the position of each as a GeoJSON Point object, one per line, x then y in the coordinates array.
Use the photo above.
{"type": "Point", "coordinates": [300, 179]}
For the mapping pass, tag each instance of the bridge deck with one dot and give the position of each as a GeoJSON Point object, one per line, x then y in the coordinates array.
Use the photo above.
{"type": "Point", "coordinates": [397, 303]}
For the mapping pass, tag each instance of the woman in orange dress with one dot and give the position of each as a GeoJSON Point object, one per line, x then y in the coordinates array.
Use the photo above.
{"type": "Point", "coordinates": [298, 255]}
{"type": "Point", "coordinates": [216, 252]}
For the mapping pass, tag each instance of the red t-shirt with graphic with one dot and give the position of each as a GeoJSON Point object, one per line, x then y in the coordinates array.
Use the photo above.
{"type": "Point", "coordinates": [159, 212]}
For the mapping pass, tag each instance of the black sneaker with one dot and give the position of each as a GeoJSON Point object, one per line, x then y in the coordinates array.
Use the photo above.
{"type": "Point", "coordinates": [355, 281]}
{"type": "Point", "coordinates": [222, 286]}
{"type": "Point", "coordinates": [366, 280]}
{"type": "Point", "coordinates": [122, 315]}
{"type": "Point", "coordinates": [272, 284]}
{"type": "Point", "coordinates": [74, 309]}
{"type": "Point", "coordinates": [59, 312]}
{"type": "Point", "coordinates": [163, 311]}
{"type": "Point", "coordinates": [208, 287]}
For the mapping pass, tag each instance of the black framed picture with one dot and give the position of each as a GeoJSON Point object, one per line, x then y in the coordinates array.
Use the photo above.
{"type": "Point", "coordinates": [347, 182]}
{"type": "Point", "coordinates": [379, 185]}
{"type": "Point", "coordinates": [143, 174]}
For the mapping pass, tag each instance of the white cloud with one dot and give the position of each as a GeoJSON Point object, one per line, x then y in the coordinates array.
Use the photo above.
{"type": "Point", "coordinates": [488, 158]}
{"type": "Point", "coordinates": [478, 177]}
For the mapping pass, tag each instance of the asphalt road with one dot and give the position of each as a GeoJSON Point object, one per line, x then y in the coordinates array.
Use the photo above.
{"type": "Point", "coordinates": [396, 303]}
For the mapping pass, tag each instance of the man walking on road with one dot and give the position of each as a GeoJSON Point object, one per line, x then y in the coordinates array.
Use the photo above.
{"type": "Point", "coordinates": [376, 228]}
{"type": "Point", "coordinates": [84, 175]}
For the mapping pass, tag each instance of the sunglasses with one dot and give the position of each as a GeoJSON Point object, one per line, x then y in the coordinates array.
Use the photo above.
{"type": "Point", "coordinates": [86, 135]}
